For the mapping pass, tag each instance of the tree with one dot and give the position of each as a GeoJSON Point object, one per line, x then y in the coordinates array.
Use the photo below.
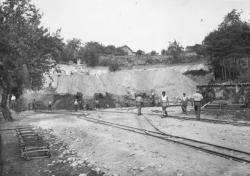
{"type": "Point", "coordinates": [153, 53]}
{"type": "Point", "coordinates": [112, 50]}
{"type": "Point", "coordinates": [139, 52]}
{"type": "Point", "coordinates": [90, 58]}
{"type": "Point", "coordinates": [175, 50]}
{"type": "Point", "coordinates": [163, 52]}
{"type": "Point", "coordinates": [199, 49]}
{"type": "Point", "coordinates": [94, 47]}
{"type": "Point", "coordinates": [227, 45]}
{"type": "Point", "coordinates": [26, 48]}
{"type": "Point", "coordinates": [71, 50]}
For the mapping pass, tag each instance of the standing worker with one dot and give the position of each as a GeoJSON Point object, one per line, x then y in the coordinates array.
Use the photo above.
{"type": "Point", "coordinates": [197, 98]}
{"type": "Point", "coordinates": [139, 102]}
{"type": "Point", "coordinates": [153, 98]}
{"type": "Point", "coordinates": [34, 106]}
{"type": "Point", "coordinates": [184, 102]}
{"type": "Point", "coordinates": [97, 103]}
{"type": "Point", "coordinates": [76, 104]}
{"type": "Point", "coordinates": [164, 103]}
{"type": "Point", "coordinates": [50, 105]}
{"type": "Point", "coordinates": [247, 99]}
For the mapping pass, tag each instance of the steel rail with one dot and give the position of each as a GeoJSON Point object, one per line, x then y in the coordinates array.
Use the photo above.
{"type": "Point", "coordinates": [188, 118]}
{"type": "Point", "coordinates": [175, 139]}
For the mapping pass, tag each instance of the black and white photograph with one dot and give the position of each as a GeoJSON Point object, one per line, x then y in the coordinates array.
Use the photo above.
{"type": "Point", "coordinates": [125, 88]}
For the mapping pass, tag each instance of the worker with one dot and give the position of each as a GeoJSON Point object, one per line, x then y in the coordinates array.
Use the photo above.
{"type": "Point", "coordinates": [184, 102]}
{"type": "Point", "coordinates": [139, 103]}
{"type": "Point", "coordinates": [197, 98]}
{"type": "Point", "coordinates": [12, 102]}
{"type": "Point", "coordinates": [164, 103]}
{"type": "Point", "coordinates": [50, 105]}
{"type": "Point", "coordinates": [153, 98]}
{"type": "Point", "coordinates": [81, 104]}
{"type": "Point", "coordinates": [97, 103]}
{"type": "Point", "coordinates": [76, 104]}
{"type": "Point", "coordinates": [34, 105]}
{"type": "Point", "coordinates": [247, 99]}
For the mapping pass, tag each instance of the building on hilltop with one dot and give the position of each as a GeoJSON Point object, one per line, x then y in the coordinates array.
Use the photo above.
{"type": "Point", "coordinates": [127, 50]}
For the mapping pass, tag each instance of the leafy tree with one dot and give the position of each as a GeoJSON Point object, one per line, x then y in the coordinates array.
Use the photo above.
{"type": "Point", "coordinates": [163, 52]}
{"type": "Point", "coordinates": [91, 58]}
{"type": "Point", "coordinates": [94, 47]}
{"type": "Point", "coordinates": [175, 50]}
{"type": "Point", "coordinates": [114, 66]}
{"type": "Point", "coordinates": [71, 50]}
{"type": "Point", "coordinates": [227, 45]}
{"type": "Point", "coordinates": [26, 49]}
{"type": "Point", "coordinates": [199, 49]}
{"type": "Point", "coordinates": [153, 53]}
{"type": "Point", "coordinates": [139, 52]}
{"type": "Point", "coordinates": [120, 52]}
{"type": "Point", "coordinates": [112, 50]}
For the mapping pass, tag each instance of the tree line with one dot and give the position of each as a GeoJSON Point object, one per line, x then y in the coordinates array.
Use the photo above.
{"type": "Point", "coordinates": [25, 49]}
{"type": "Point", "coordinates": [89, 52]}
{"type": "Point", "coordinates": [228, 48]}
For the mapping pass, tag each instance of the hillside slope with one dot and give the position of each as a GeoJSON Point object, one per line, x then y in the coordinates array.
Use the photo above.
{"type": "Point", "coordinates": [124, 82]}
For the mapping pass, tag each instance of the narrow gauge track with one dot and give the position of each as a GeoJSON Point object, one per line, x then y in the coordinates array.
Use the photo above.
{"type": "Point", "coordinates": [225, 152]}
{"type": "Point", "coordinates": [226, 122]}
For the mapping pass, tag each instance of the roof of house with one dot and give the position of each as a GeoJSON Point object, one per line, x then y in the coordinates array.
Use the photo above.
{"type": "Point", "coordinates": [126, 46]}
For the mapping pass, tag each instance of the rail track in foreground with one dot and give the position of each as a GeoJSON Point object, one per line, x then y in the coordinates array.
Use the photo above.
{"type": "Point", "coordinates": [225, 152]}
{"type": "Point", "coordinates": [223, 122]}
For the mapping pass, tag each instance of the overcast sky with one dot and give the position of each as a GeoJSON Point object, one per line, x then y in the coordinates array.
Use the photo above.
{"type": "Point", "coordinates": [140, 24]}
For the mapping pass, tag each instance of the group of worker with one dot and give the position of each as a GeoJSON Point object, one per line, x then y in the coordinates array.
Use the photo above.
{"type": "Point", "coordinates": [196, 101]}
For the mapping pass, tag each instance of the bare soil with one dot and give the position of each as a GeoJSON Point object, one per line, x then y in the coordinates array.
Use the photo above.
{"type": "Point", "coordinates": [116, 152]}
{"type": "Point", "coordinates": [58, 164]}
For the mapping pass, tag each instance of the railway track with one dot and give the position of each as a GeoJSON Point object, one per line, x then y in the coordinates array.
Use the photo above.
{"type": "Point", "coordinates": [226, 122]}
{"type": "Point", "coordinates": [225, 152]}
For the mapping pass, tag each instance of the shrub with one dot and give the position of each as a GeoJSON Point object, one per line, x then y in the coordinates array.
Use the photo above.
{"type": "Point", "coordinates": [91, 58]}
{"type": "Point", "coordinates": [114, 67]}
{"type": "Point", "coordinates": [200, 72]}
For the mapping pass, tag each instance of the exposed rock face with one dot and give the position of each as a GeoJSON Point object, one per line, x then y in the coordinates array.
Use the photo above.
{"type": "Point", "coordinates": [127, 82]}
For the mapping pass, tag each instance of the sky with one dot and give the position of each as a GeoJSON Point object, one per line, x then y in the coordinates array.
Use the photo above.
{"type": "Point", "coordinates": [140, 24]}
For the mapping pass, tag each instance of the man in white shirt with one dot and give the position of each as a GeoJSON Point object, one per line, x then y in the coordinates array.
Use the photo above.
{"type": "Point", "coordinates": [164, 102]}
{"type": "Point", "coordinates": [197, 97]}
{"type": "Point", "coordinates": [76, 104]}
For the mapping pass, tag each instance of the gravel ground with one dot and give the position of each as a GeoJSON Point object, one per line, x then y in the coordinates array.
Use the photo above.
{"type": "Point", "coordinates": [118, 152]}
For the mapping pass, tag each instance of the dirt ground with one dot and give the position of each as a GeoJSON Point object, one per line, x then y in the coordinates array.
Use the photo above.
{"type": "Point", "coordinates": [63, 162]}
{"type": "Point", "coordinates": [117, 152]}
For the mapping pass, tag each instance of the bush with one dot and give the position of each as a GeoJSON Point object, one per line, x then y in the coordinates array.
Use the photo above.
{"type": "Point", "coordinates": [114, 67]}
{"type": "Point", "coordinates": [196, 72]}
{"type": "Point", "coordinates": [91, 58]}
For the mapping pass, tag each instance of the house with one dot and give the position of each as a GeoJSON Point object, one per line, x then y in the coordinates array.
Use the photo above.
{"type": "Point", "coordinates": [127, 50]}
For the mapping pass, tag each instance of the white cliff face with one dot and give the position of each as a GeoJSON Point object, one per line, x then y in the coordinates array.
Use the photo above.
{"type": "Point", "coordinates": [100, 80]}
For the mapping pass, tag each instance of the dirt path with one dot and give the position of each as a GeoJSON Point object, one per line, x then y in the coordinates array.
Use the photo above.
{"type": "Point", "coordinates": [66, 164]}
{"type": "Point", "coordinates": [118, 152]}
